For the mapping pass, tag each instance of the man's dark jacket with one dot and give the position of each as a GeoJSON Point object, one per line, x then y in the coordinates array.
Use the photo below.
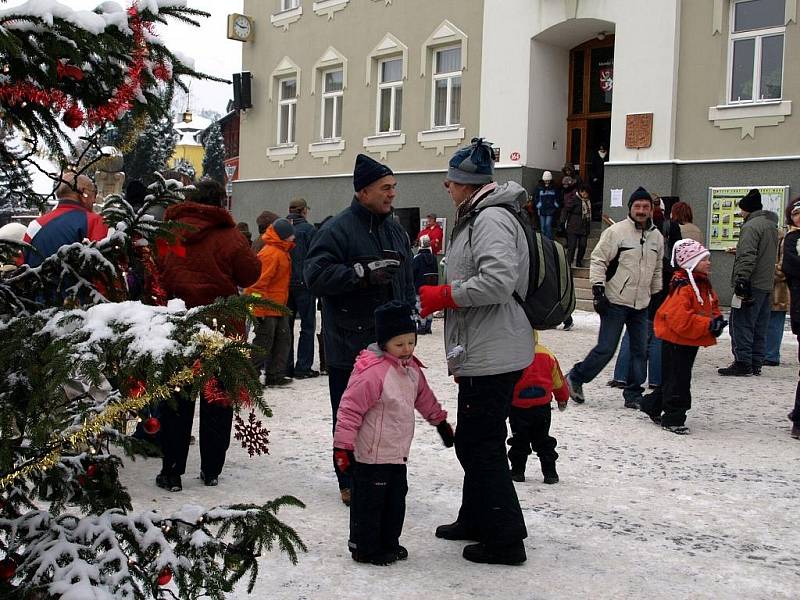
{"type": "Point", "coordinates": [348, 303]}
{"type": "Point", "coordinates": [303, 235]}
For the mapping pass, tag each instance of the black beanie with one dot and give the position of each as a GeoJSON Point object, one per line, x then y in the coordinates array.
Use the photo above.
{"type": "Point", "coordinates": [283, 228]}
{"type": "Point", "coordinates": [391, 319]}
{"type": "Point", "coordinates": [752, 201]}
{"type": "Point", "coordinates": [368, 170]}
{"type": "Point", "coordinates": [639, 194]}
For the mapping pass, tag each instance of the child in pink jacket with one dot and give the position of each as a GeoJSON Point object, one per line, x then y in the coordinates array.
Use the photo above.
{"type": "Point", "coordinates": [374, 427]}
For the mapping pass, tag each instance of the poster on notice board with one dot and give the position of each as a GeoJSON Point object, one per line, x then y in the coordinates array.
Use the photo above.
{"type": "Point", "coordinates": [724, 220]}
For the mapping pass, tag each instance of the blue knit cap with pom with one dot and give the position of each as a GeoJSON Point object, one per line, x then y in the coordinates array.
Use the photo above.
{"type": "Point", "coordinates": [472, 165]}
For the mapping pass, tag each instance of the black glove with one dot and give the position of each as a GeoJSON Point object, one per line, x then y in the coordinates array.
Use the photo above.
{"type": "Point", "coordinates": [601, 302]}
{"type": "Point", "coordinates": [717, 325]}
{"type": "Point", "coordinates": [742, 289]}
{"type": "Point", "coordinates": [446, 433]}
{"type": "Point", "coordinates": [378, 272]}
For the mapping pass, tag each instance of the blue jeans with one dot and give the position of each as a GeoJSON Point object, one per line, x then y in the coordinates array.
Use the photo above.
{"type": "Point", "coordinates": [775, 335]}
{"type": "Point", "coordinates": [611, 325]}
{"type": "Point", "coordinates": [623, 364]}
{"type": "Point", "coordinates": [546, 222]}
{"type": "Point", "coordinates": [749, 329]}
{"type": "Point", "coordinates": [303, 305]}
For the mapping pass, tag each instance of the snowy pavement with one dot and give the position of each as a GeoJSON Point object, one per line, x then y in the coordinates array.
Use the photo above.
{"type": "Point", "coordinates": [639, 512]}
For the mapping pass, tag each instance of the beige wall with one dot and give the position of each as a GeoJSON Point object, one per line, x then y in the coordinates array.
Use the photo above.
{"type": "Point", "coordinates": [354, 32]}
{"type": "Point", "coordinates": [701, 84]}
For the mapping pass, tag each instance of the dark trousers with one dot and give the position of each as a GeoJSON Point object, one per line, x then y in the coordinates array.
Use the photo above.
{"type": "Point", "coordinates": [611, 325]}
{"type": "Point", "coordinates": [378, 508]}
{"type": "Point", "coordinates": [530, 432]}
{"type": "Point", "coordinates": [796, 412]}
{"type": "Point", "coordinates": [337, 384]}
{"type": "Point", "coordinates": [675, 396]}
{"type": "Point", "coordinates": [303, 306]}
{"type": "Point", "coordinates": [489, 505]}
{"type": "Point", "coordinates": [272, 341]}
{"type": "Point", "coordinates": [576, 242]}
{"type": "Point", "coordinates": [749, 329]}
{"type": "Point", "coordinates": [176, 431]}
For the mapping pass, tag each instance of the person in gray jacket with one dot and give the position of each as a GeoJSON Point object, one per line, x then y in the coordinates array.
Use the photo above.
{"type": "Point", "coordinates": [752, 280]}
{"type": "Point", "coordinates": [489, 342]}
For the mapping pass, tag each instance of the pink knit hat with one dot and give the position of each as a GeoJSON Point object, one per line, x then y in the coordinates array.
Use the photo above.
{"type": "Point", "coordinates": [686, 254]}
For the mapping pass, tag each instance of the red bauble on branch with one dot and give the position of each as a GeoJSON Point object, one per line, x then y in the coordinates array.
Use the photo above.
{"type": "Point", "coordinates": [91, 470]}
{"type": "Point", "coordinates": [73, 117]}
{"type": "Point", "coordinates": [136, 387]}
{"type": "Point", "coordinates": [64, 70]}
{"type": "Point", "coordinates": [165, 576]}
{"type": "Point", "coordinates": [8, 568]}
{"type": "Point", "coordinates": [151, 426]}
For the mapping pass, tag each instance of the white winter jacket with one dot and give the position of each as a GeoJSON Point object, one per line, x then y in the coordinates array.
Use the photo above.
{"type": "Point", "coordinates": [628, 261]}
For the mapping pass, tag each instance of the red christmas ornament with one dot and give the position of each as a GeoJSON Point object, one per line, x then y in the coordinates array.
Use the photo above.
{"type": "Point", "coordinates": [162, 72]}
{"type": "Point", "coordinates": [151, 426]}
{"type": "Point", "coordinates": [73, 117]}
{"type": "Point", "coordinates": [64, 70]}
{"type": "Point", "coordinates": [91, 470]}
{"type": "Point", "coordinates": [8, 568]}
{"type": "Point", "coordinates": [165, 576]}
{"type": "Point", "coordinates": [136, 387]}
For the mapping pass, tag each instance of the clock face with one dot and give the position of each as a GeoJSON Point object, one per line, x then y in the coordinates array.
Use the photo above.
{"type": "Point", "coordinates": [241, 26]}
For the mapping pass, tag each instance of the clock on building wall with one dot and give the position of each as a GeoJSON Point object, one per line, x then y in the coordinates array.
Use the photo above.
{"type": "Point", "coordinates": [240, 27]}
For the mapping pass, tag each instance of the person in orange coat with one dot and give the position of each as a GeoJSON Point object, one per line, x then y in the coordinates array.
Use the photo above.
{"type": "Point", "coordinates": [272, 327]}
{"type": "Point", "coordinates": [530, 415]}
{"type": "Point", "coordinates": [688, 318]}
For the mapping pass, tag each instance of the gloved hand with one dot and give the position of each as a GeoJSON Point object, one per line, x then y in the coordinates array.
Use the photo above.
{"type": "Point", "coordinates": [378, 272]}
{"type": "Point", "coordinates": [562, 406]}
{"type": "Point", "coordinates": [601, 302]}
{"type": "Point", "coordinates": [435, 297]}
{"type": "Point", "coordinates": [717, 325]}
{"type": "Point", "coordinates": [342, 458]}
{"type": "Point", "coordinates": [446, 433]}
{"type": "Point", "coordinates": [742, 289]}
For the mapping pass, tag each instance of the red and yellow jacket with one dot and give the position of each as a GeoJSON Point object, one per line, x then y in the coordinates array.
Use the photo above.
{"type": "Point", "coordinates": [276, 271]}
{"type": "Point", "coordinates": [681, 319]}
{"type": "Point", "coordinates": [541, 381]}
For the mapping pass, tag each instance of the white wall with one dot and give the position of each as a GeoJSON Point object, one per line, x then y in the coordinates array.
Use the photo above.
{"type": "Point", "coordinates": [517, 113]}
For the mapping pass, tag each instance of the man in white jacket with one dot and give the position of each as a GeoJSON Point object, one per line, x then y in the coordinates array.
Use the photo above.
{"type": "Point", "coordinates": [625, 272]}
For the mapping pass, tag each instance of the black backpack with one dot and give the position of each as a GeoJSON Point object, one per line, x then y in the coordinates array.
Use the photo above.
{"type": "Point", "coordinates": [551, 292]}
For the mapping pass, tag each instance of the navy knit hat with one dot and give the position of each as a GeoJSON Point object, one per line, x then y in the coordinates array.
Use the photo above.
{"type": "Point", "coordinates": [283, 228]}
{"type": "Point", "coordinates": [391, 319]}
{"type": "Point", "coordinates": [472, 165]}
{"type": "Point", "coordinates": [368, 170]}
{"type": "Point", "coordinates": [752, 201]}
{"type": "Point", "coordinates": [639, 194]}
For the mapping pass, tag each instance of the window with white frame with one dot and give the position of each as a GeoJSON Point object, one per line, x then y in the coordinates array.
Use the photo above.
{"type": "Point", "coordinates": [755, 55]}
{"type": "Point", "coordinates": [289, 4]}
{"type": "Point", "coordinates": [446, 86]}
{"type": "Point", "coordinates": [390, 95]}
{"type": "Point", "coordinates": [287, 109]}
{"type": "Point", "coordinates": [332, 96]}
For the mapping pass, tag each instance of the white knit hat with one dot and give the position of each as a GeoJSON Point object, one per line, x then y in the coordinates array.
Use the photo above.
{"type": "Point", "coordinates": [424, 241]}
{"type": "Point", "coordinates": [687, 254]}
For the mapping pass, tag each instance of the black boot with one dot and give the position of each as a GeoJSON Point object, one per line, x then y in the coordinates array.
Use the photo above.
{"type": "Point", "coordinates": [455, 531]}
{"type": "Point", "coordinates": [512, 554]}
{"type": "Point", "coordinates": [517, 472]}
{"type": "Point", "coordinates": [549, 471]}
{"type": "Point", "coordinates": [736, 369]}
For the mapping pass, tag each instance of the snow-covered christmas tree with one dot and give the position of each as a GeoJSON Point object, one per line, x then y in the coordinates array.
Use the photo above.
{"type": "Point", "coordinates": [214, 158]}
{"type": "Point", "coordinates": [146, 149]}
{"type": "Point", "coordinates": [184, 167]}
{"type": "Point", "coordinates": [87, 339]}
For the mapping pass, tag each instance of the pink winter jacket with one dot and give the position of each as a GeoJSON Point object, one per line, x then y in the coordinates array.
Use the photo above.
{"type": "Point", "coordinates": [376, 413]}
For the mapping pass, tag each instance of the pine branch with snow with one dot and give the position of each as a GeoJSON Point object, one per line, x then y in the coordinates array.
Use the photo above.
{"type": "Point", "coordinates": [214, 157]}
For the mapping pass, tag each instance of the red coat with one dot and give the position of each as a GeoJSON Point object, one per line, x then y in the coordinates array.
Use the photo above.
{"type": "Point", "coordinates": [681, 319]}
{"type": "Point", "coordinates": [218, 258]}
{"type": "Point", "coordinates": [435, 233]}
{"type": "Point", "coordinates": [541, 381]}
{"type": "Point", "coordinates": [276, 271]}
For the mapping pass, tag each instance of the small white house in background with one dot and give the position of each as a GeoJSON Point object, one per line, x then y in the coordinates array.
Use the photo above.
{"type": "Point", "coordinates": [188, 147]}
{"type": "Point", "coordinates": [685, 95]}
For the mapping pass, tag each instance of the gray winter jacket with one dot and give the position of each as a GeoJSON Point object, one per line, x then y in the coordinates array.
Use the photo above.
{"type": "Point", "coordinates": [489, 325]}
{"type": "Point", "coordinates": [757, 251]}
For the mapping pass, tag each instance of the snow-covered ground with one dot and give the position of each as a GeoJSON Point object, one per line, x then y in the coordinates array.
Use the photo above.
{"type": "Point", "coordinates": [639, 512]}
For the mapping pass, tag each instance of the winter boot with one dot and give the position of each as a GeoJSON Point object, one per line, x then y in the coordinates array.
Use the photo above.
{"type": "Point", "coordinates": [170, 483]}
{"type": "Point", "coordinates": [512, 554]}
{"type": "Point", "coordinates": [575, 389]}
{"type": "Point", "coordinates": [677, 429]}
{"type": "Point", "coordinates": [736, 369]}
{"type": "Point", "coordinates": [347, 496]}
{"type": "Point", "coordinates": [518, 472]}
{"type": "Point", "coordinates": [795, 431]}
{"type": "Point", "coordinates": [455, 531]}
{"type": "Point", "coordinates": [549, 471]}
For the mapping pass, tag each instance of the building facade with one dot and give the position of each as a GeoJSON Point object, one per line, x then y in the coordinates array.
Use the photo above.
{"type": "Point", "coordinates": [685, 95]}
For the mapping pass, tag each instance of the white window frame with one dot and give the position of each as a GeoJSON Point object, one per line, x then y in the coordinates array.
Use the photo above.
{"type": "Point", "coordinates": [393, 86]}
{"type": "Point", "coordinates": [758, 35]}
{"type": "Point", "coordinates": [289, 4]}
{"type": "Point", "coordinates": [291, 102]}
{"type": "Point", "coordinates": [338, 99]}
{"type": "Point", "coordinates": [448, 76]}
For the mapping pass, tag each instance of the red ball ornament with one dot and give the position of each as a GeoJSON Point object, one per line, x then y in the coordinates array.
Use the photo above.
{"type": "Point", "coordinates": [91, 470]}
{"type": "Point", "coordinates": [136, 388]}
{"type": "Point", "coordinates": [165, 576]}
{"type": "Point", "coordinates": [73, 117]}
{"type": "Point", "coordinates": [8, 568]}
{"type": "Point", "coordinates": [162, 72]}
{"type": "Point", "coordinates": [151, 426]}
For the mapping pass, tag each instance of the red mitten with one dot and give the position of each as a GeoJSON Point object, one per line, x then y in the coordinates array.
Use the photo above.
{"type": "Point", "coordinates": [435, 297]}
{"type": "Point", "coordinates": [342, 458]}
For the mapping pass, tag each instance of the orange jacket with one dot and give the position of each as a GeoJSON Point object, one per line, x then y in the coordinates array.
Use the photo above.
{"type": "Point", "coordinates": [541, 381]}
{"type": "Point", "coordinates": [276, 270]}
{"type": "Point", "coordinates": [681, 319]}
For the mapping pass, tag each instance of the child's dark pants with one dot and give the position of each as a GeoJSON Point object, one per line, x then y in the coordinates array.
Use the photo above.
{"type": "Point", "coordinates": [378, 508]}
{"type": "Point", "coordinates": [677, 361]}
{"type": "Point", "coordinates": [530, 431]}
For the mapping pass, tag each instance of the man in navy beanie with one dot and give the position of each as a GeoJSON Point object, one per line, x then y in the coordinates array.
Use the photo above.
{"type": "Point", "coordinates": [359, 261]}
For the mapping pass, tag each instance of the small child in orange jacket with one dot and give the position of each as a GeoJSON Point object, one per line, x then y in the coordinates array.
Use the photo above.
{"type": "Point", "coordinates": [688, 318]}
{"type": "Point", "coordinates": [530, 415]}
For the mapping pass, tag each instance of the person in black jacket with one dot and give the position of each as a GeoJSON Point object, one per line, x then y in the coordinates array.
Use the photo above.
{"type": "Point", "coordinates": [360, 260]}
{"type": "Point", "coordinates": [301, 301]}
{"type": "Point", "coordinates": [425, 273]}
{"type": "Point", "coordinates": [791, 269]}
